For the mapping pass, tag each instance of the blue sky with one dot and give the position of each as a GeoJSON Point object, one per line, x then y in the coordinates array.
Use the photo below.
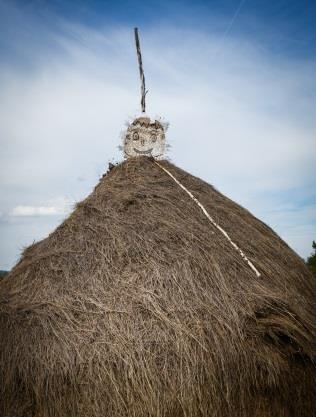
{"type": "Point", "coordinates": [235, 79]}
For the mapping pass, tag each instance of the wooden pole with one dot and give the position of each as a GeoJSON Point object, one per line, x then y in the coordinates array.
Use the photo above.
{"type": "Point", "coordinates": [141, 72]}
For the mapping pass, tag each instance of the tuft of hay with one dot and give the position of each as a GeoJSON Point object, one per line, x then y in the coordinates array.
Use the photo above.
{"type": "Point", "coordinates": [137, 306]}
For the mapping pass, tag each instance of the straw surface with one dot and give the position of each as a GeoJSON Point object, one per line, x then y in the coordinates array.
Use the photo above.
{"type": "Point", "coordinates": [137, 306]}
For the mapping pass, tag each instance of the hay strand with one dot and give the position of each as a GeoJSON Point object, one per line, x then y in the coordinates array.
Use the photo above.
{"type": "Point", "coordinates": [251, 265]}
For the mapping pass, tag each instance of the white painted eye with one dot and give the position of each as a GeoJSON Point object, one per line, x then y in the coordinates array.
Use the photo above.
{"type": "Point", "coordinates": [153, 137]}
{"type": "Point", "coordinates": [135, 136]}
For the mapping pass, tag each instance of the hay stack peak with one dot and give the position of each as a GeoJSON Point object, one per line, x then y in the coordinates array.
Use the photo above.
{"type": "Point", "coordinates": [144, 136]}
{"type": "Point", "coordinates": [136, 306]}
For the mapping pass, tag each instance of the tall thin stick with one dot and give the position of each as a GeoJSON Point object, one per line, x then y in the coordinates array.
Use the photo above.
{"type": "Point", "coordinates": [141, 71]}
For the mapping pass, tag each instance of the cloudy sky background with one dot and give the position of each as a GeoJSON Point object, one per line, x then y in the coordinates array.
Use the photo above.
{"type": "Point", "coordinates": [235, 79]}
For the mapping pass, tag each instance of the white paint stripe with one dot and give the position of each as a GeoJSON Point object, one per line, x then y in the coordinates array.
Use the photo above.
{"type": "Point", "coordinates": [212, 220]}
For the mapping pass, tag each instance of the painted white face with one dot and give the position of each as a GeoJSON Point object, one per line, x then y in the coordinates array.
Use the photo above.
{"type": "Point", "coordinates": [144, 138]}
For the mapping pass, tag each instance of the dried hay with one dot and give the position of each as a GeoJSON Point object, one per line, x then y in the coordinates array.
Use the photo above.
{"type": "Point", "coordinates": [136, 306]}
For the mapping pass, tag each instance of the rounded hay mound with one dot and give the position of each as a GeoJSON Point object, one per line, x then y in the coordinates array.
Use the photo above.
{"type": "Point", "coordinates": [137, 306]}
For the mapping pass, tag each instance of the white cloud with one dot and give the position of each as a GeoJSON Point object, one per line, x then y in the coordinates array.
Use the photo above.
{"type": "Point", "coordinates": [61, 206]}
{"type": "Point", "coordinates": [35, 211]}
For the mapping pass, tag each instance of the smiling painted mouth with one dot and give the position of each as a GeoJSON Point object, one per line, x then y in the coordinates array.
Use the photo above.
{"type": "Point", "coordinates": [143, 152]}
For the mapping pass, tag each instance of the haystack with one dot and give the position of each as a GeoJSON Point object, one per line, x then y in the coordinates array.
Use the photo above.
{"type": "Point", "coordinates": [137, 306]}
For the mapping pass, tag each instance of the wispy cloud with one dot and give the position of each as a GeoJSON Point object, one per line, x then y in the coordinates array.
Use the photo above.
{"type": "Point", "coordinates": [240, 118]}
